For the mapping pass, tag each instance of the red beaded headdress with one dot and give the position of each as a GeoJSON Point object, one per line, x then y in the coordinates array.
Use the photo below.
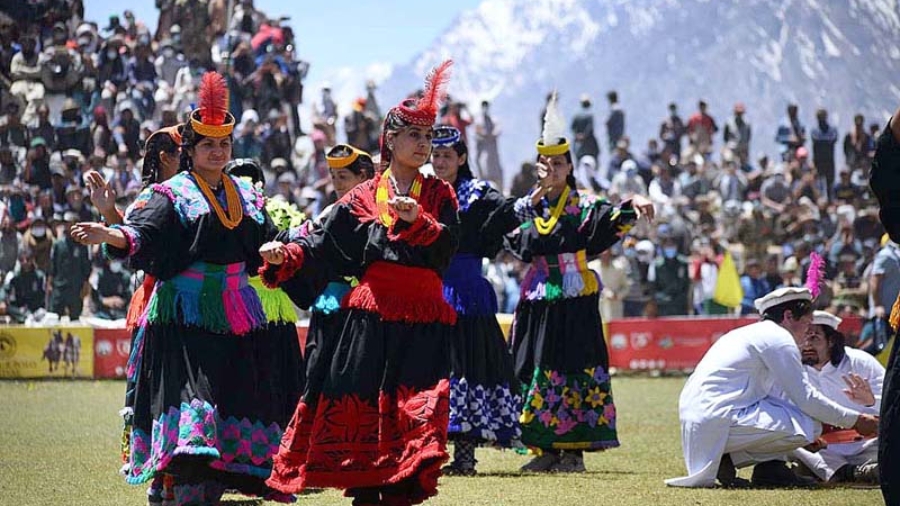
{"type": "Point", "coordinates": [421, 112]}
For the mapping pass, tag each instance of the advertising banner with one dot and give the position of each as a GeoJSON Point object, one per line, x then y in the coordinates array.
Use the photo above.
{"type": "Point", "coordinates": [46, 352]}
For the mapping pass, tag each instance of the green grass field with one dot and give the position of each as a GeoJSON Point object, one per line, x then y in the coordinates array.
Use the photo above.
{"type": "Point", "coordinates": [59, 445]}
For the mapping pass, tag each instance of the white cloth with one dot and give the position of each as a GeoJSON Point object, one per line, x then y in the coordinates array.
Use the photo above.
{"type": "Point", "coordinates": [830, 382]}
{"type": "Point", "coordinates": [732, 390]}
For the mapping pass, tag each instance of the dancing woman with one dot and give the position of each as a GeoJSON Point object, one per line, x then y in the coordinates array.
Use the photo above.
{"type": "Point", "coordinates": [557, 338]}
{"type": "Point", "coordinates": [484, 395]}
{"type": "Point", "coordinates": [206, 407]}
{"type": "Point", "coordinates": [376, 422]}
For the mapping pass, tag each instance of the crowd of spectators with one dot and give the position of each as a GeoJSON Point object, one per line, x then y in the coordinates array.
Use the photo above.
{"type": "Point", "coordinates": [76, 96]}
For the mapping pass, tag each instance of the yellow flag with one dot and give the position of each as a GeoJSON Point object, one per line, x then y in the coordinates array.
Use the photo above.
{"type": "Point", "coordinates": [728, 287]}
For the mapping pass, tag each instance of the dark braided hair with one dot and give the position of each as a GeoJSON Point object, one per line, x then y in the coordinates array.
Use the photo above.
{"type": "Point", "coordinates": [152, 163]}
{"type": "Point", "coordinates": [363, 165]}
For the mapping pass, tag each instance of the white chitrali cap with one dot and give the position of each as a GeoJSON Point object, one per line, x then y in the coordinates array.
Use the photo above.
{"type": "Point", "coordinates": [827, 319]}
{"type": "Point", "coordinates": [781, 296]}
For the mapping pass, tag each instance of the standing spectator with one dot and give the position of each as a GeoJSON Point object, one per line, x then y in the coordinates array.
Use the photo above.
{"type": "Point", "coordinates": [737, 135]}
{"type": "Point", "coordinates": [884, 283]}
{"type": "Point", "coordinates": [791, 133]}
{"type": "Point", "coordinates": [487, 156]}
{"type": "Point", "coordinates": [669, 280]}
{"type": "Point", "coordinates": [755, 285]}
{"type": "Point", "coordinates": [704, 272]}
{"type": "Point", "coordinates": [23, 290]}
{"type": "Point", "coordinates": [583, 131]}
{"type": "Point", "coordinates": [614, 271]}
{"type": "Point", "coordinates": [856, 146]}
{"type": "Point", "coordinates": [615, 122]}
{"type": "Point", "coordinates": [325, 115]}
{"type": "Point", "coordinates": [671, 131]}
{"type": "Point", "coordinates": [70, 267]}
{"type": "Point", "coordinates": [361, 128]}
{"type": "Point", "coordinates": [701, 128]}
{"type": "Point", "coordinates": [824, 136]}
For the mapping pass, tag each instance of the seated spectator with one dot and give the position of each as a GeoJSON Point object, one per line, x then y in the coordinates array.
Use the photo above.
{"type": "Point", "coordinates": [73, 132]}
{"type": "Point", "coordinates": [24, 289]}
{"type": "Point", "coordinates": [112, 291]}
{"type": "Point", "coordinates": [44, 128]}
{"type": "Point", "coordinates": [37, 165]}
{"type": "Point", "coordinates": [754, 284]}
{"type": "Point", "coordinates": [9, 168]}
{"type": "Point", "coordinates": [845, 191]}
{"type": "Point", "coordinates": [775, 192]}
{"type": "Point", "coordinates": [627, 183]}
{"type": "Point", "coordinates": [12, 131]}
{"type": "Point", "coordinates": [851, 378]}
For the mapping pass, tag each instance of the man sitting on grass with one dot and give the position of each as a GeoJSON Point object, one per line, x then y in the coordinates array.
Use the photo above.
{"type": "Point", "coordinates": [750, 402]}
{"type": "Point", "coordinates": [853, 379]}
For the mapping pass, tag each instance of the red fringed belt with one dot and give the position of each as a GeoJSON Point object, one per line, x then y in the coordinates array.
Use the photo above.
{"type": "Point", "coordinates": [401, 293]}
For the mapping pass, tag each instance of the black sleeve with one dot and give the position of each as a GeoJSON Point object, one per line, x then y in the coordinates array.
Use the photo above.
{"type": "Point", "coordinates": [605, 224]}
{"type": "Point", "coordinates": [495, 216]}
{"type": "Point", "coordinates": [153, 231]}
{"type": "Point", "coordinates": [885, 181]}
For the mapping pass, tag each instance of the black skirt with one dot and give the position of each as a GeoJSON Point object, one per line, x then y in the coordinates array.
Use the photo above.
{"type": "Point", "coordinates": [889, 427]}
{"type": "Point", "coordinates": [484, 394]}
{"type": "Point", "coordinates": [562, 364]}
{"type": "Point", "coordinates": [210, 407]}
{"type": "Point", "coordinates": [375, 410]}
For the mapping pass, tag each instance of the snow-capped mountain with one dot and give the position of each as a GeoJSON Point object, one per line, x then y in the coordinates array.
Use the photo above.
{"type": "Point", "coordinates": [838, 54]}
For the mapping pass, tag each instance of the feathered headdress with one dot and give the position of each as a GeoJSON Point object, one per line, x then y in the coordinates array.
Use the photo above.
{"type": "Point", "coordinates": [420, 112]}
{"type": "Point", "coordinates": [815, 275]}
{"type": "Point", "coordinates": [553, 137]}
{"type": "Point", "coordinates": [211, 117]}
{"type": "Point", "coordinates": [423, 111]}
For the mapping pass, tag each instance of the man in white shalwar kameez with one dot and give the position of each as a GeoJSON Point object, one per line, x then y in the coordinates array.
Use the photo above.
{"type": "Point", "coordinates": [853, 379]}
{"type": "Point", "coordinates": [749, 401]}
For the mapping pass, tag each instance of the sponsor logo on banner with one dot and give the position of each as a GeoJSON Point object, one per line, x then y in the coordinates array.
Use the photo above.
{"type": "Point", "coordinates": [46, 352]}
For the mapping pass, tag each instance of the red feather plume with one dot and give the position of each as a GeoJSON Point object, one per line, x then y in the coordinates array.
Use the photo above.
{"type": "Point", "coordinates": [213, 98]}
{"type": "Point", "coordinates": [434, 88]}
